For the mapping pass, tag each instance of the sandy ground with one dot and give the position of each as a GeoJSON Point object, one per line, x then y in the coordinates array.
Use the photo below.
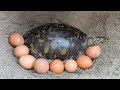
{"type": "Point", "coordinates": [92, 23]}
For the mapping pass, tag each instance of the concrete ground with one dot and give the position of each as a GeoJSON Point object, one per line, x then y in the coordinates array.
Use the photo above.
{"type": "Point", "coordinates": [93, 23]}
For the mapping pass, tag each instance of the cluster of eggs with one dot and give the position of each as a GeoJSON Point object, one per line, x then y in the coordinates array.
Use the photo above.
{"type": "Point", "coordinates": [57, 66]}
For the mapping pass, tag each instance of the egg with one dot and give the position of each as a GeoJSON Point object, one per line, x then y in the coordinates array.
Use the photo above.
{"type": "Point", "coordinates": [27, 61]}
{"type": "Point", "coordinates": [21, 51]}
{"type": "Point", "coordinates": [93, 52]}
{"type": "Point", "coordinates": [84, 62]}
{"type": "Point", "coordinates": [57, 66]}
{"type": "Point", "coordinates": [41, 66]}
{"type": "Point", "coordinates": [70, 65]}
{"type": "Point", "coordinates": [16, 39]}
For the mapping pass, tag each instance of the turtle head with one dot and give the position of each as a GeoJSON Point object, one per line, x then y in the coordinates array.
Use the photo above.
{"type": "Point", "coordinates": [96, 40]}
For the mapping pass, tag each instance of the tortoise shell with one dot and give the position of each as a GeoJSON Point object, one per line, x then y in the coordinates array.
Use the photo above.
{"type": "Point", "coordinates": [55, 41]}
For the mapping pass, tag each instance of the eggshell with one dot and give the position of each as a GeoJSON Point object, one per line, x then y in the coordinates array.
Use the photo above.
{"type": "Point", "coordinates": [27, 61]}
{"type": "Point", "coordinates": [21, 51]}
{"type": "Point", "coordinates": [70, 65]}
{"type": "Point", "coordinates": [16, 39]}
{"type": "Point", "coordinates": [93, 52]}
{"type": "Point", "coordinates": [84, 62]}
{"type": "Point", "coordinates": [41, 66]}
{"type": "Point", "coordinates": [57, 66]}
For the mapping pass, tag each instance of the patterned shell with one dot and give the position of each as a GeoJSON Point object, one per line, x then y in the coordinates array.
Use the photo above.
{"type": "Point", "coordinates": [55, 41]}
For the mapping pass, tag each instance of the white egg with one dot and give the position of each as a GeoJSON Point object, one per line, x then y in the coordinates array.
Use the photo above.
{"type": "Point", "coordinates": [27, 61]}
{"type": "Point", "coordinates": [70, 65]}
{"type": "Point", "coordinates": [21, 51]}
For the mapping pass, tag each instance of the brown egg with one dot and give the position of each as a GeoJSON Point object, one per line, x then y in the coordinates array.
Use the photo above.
{"type": "Point", "coordinates": [16, 39]}
{"type": "Point", "coordinates": [41, 66]}
{"type": "Point", "coordinates": [70, 65]}
{"type": "Point", "coordinates": [27, 61]}
{"type": "Point", "coordinates": [84, 62]}
{"type": "Point", "coordinates": [57, 66]}
{"type": "Point", "coordinates": [93, 52]}
{"type": "Point", "coordinates": [21, 51]}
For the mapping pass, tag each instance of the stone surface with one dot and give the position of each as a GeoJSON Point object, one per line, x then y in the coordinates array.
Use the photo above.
{"type": "Point", "coordinates": [93, 23]}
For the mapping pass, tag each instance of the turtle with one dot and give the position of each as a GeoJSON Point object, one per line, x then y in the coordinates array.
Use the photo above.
{"type": "Point", "coordinates": [59, 40]}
